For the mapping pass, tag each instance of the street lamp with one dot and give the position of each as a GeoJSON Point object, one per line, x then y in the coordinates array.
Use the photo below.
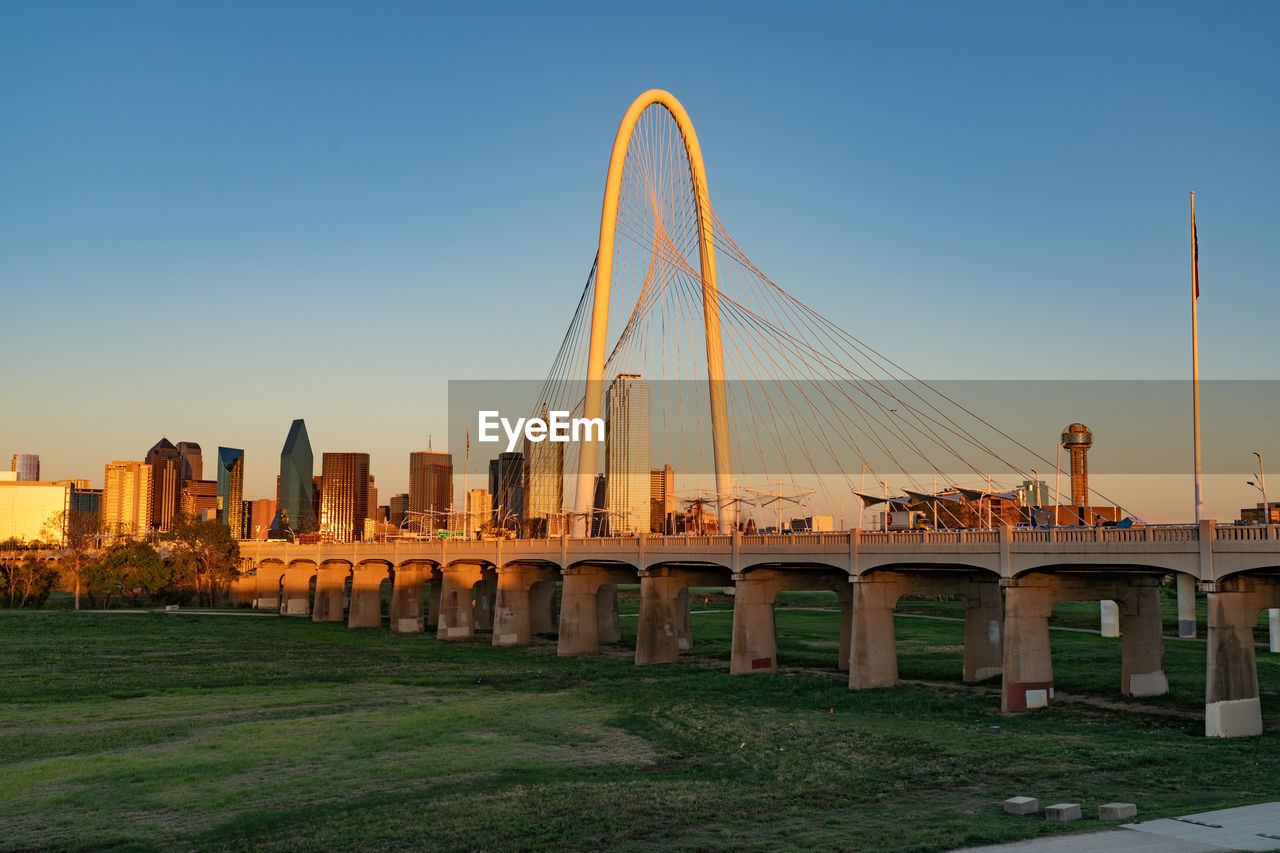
{"type": "Point", "coordinates": [1273, 614]}
{"type": "Point", "coordinates": [1057, 482]}
{"type": "Point", "coordinates": [1262, 484]}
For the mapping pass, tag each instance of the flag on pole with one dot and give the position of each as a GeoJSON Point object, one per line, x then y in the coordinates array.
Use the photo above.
{"type": "Point", "coordinates": [1195, 255]}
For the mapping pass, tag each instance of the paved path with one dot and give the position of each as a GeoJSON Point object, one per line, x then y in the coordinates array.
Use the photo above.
{"type": "Point", "coordinates": [1251, 828]}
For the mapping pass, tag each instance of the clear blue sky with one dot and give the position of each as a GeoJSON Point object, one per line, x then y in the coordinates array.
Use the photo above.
{"type": "Point", "coordinates": [215, 218]}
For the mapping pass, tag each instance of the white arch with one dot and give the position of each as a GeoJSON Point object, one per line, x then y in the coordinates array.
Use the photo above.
{"type": "Point", "coordinates": [710, 307]}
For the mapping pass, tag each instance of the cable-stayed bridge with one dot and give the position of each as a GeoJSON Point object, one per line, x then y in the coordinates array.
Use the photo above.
{"type": "Point", "coordinates": [679, 338]}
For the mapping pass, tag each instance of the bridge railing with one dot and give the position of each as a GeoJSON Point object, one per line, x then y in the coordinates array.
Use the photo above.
{"type": "Point", "coordinates": [1247, 533]}
{"type": "Point", "coordinates": [1163, 533]}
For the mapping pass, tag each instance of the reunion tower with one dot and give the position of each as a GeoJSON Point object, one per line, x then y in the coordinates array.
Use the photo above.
{"type": "Point", "coordinates": [1077, 439]}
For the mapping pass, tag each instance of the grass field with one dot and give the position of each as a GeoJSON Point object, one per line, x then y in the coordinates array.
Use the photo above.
{"type": "Point", "coordinates": [144, 731]}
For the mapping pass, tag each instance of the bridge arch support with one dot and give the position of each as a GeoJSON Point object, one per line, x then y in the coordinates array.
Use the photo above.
{"type": "Point", "coordinates": [710, 303]}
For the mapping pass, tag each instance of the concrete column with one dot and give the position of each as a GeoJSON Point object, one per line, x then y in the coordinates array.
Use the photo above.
{"type": "Point", "coordinates": [983, 649]}
{"type": "Point", "coordinates": [1109, 618]}
{"type": "Point", "coordinates": [873, 653]}
{"type": "Point", "coordinates": [579, 633]}
{"type": "Point", "coordinates": [684, 625]}
{"type": "Point", "coordinates": [485, 596]}
{"type": "Point", "coordinates": [266, 587]}
{"type": "Point", "coordinates": [295, 596]}
{"type": "Point", "coordinates": [542, 606]}
{"type": "Point", "coordinates": [1028, 665]}
{"type": "Point", "coordinates": [1186, 605]}
{"type": "Point", "coordinates": [511, 608]}
{"type": "Point", "coordinates": [1273, 629]}
{"type": "Point", "coordinates": [657, 636]}
{"type": "Point", "coordinates": [436, 588]}
{"type": "Point", "coordinates": [1142, 666]}
{"type": "Point", "coordinates": [607, 613]}
{"type": "Point", "coordinates": [407, 615]}
{"type": "Point", "coordinates": [331, 584]}
{"type": "Point", "coordinates": [846, 628]}
{"type": "Point", "coordinates": [1232, 707]}
{"type": "Point", "coordinates": [366, 598]}
{"type": "Point", "coordinates": [456, 611]}
{"type": "Point", "coordinates": [755, 639]}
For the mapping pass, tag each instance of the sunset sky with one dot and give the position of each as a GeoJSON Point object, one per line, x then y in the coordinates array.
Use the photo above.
{"type": "Point", "coordinates": [215, 218]}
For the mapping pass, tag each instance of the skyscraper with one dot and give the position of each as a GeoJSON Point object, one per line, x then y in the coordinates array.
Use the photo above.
{"type": "Point", "coordinates": [373, 500]}
{"type": "Point", "coordinates": [192, 461]}
{"type": "Point", "coordinates": [166, 483]}
{"type": "Point", "coordinates": [626, 455]}
{"type": "Point", "coordinates": [398, 504]}
{"type": "Point", "coordinates": [662, 499]}
{"type": "Point", "coordinates": [295, 513]}
{"type": "Point", "coordinates": [344, 499]}
{"type": "Point", "coordinates": [543, 485]}
{"type": "Point", "coordinates": [479, 511]}
{"type": "Point", "coordinates": [126, 498]}
{"type": "Point", "coordinates": [506, 490]}
{"type": "Point", "coordinates": [231, 489]}
{"type": "Point", "coordinates": [199, 498]}
{"type": "Point", "coordinates": [430, 488]}
{"type": "Point", "coordinates": [27, 465]}
{"type": "Point", "coordinates": [258, 518]}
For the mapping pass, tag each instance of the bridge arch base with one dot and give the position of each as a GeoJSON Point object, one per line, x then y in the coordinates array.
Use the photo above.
{"type": "Point", "coordinates": [366, 594]}
{"type": "Point", "coordinates": [665, 629]}
{"type": "Point", "coordinates": [408, 616]}
{"type": "Point", "coordinates": [331, 591]}
{"type": "Point", "coordinates": [873, 653]}
{"type": "Point", "coordinates": [1232, 704]}
{"type": "Point", "coordinates": [1028, 662]}
{"type": "Point", "coordinates": [589, 607]}
{"type": "Point", "coordinates": [525, 603]}
{"type": "Point", "coordinates": [295, 588]}
{"type": "Point", "coordinates": [755, 633]}
{"type": "Point", "coordinates": [462, 584]}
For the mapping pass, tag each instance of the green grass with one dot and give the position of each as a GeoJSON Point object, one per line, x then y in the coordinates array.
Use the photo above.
{"type": "Point", "coordinates": [157, 731]}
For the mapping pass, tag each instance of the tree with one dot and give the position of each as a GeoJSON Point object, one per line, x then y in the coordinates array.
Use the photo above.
{"type": "Point", "coordinates": [79, 533]}
{"type": "Point", "coordinates": [207, 553]}
{"type": "Point", "coordinates": [28, 577]}
{"type": "Point", "coordinates": [130, 568]}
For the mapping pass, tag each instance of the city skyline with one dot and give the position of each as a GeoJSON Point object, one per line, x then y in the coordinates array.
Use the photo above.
{"type": "Point", "coordinates": [1055, 168]}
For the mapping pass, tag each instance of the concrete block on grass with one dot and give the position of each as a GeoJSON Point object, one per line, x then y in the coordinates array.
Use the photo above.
{"type": "Point", "coordinates": [1022, 805]}
{"type": "Point", "coordinates": [1062, 812]}
{"type": "Point", "coordinates": [1117, 811]}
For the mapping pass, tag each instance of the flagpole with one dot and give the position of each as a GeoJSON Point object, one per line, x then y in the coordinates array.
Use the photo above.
{"type": "Point", "coordinates": [1186, 584]}
{"type": "Point", "coordinates": [1195, 357]}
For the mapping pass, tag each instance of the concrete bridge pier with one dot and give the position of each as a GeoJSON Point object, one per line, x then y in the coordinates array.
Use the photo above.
{"type": "Point", "coordinates": [266, 587]}
{"type": "Point", "coordinates": [366, 596]}
{"type": "Point", "coordinates": [1232, 707]}
{"type": "Point", "coordinates": [407, 616]}
{"type": "Point", "coordinates": [543, 614]}
{"type": "Point", "coordinates": [983, 629]}
{"type": "Point", "coordinates": [295, 594]}
{"type": "Point", "coordinates": [331, 587]}
{"type": "Point", "coordinates": [457, 614]}
{"type": "Point", "coordinates": [589, 607]}
{"type": "Point", "coordinates": [525, 598]}
{"type": "Point", "coordinates": [873, 654]}
{"type": "Point", "coordinates": [664, 628]}
{"type": "Point", "coordinates": [607, 613]}
{"type": "Point", "coordinates": [434, 593]}
{"type": "Point", "coordinates": [1028, 662]}
{"type": "Point", "coordinates": [755, 636]}
{"type": "Point", "coordinates": [485, 596]}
